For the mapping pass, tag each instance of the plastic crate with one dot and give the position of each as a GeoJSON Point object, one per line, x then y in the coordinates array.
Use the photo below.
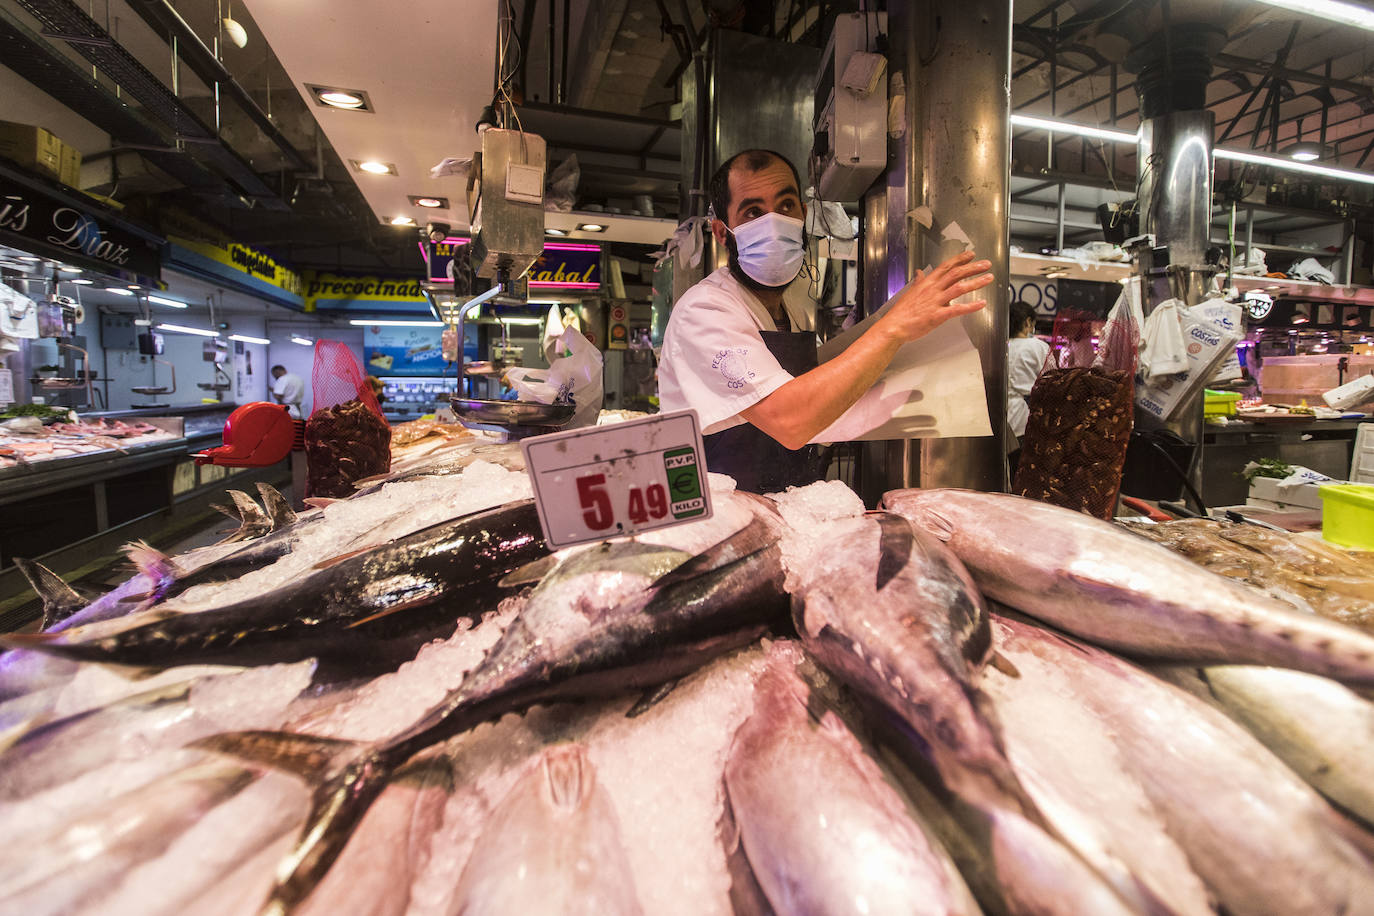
{"type": "Point", "coordinates": [1348, 515]}
{"type": "Point", "coordinates": [1220, 403]}
{"type": "Point", "coordinates": [1362, 462]}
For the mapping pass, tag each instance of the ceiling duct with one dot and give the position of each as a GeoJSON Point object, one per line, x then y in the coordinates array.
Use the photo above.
{"type": "Point", "coordinates": [64, 20]}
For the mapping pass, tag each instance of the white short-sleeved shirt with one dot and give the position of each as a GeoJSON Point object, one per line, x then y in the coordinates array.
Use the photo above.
{"type": "Point", "coordinates": [291, 389]}
{"type": "Point", "coordinates": [713, 357]}
{"type": "Point", "coordinates": [1025, 358]}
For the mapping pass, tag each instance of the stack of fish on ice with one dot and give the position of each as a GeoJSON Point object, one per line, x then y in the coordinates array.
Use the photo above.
{"type": "Point", "coordinates": [401, 703]}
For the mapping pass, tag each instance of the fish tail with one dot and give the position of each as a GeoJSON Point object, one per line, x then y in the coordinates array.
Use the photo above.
{"type": "Point", "coordinates": [278, 509]}
{"type": "Point", "coordinates": [346, 776]}
{"type": "Point", "coordinates": [156, 567]}
{"type": "Point", "coordinates": [59, 599]}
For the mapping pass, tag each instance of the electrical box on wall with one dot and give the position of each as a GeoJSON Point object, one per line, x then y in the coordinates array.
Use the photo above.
{"type": "Point", "coordinates": [850, 147]}
{"type": "Point", "coordinates": [118, 332]}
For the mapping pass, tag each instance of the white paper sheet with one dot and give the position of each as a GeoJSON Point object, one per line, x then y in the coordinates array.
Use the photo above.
{"type": "Point", "coordinates": [932, 389]}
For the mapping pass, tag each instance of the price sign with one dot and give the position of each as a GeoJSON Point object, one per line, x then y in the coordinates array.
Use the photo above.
{"type": "Point", "coordinates": [607, 481]}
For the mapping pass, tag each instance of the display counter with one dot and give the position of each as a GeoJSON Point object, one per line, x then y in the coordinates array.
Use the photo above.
{"type": "Point", "coordinates": [65, 501]}
{"type": "Point", "coordinates": [1325, 446]}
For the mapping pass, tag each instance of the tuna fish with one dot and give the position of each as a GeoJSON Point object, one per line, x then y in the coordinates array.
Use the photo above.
{"type": "Point", "coordinates": [364, 614]}
{"type": "Point", "coordinates": [822, 830]}
{"type": "Point", "coordinates": [615, 617]}
{"type": "Point", "coordinates": [891, 612]}
{"type": "Point", "coordinates": [1110, 587]}
{"type": "Point", "coordinates": [552, 846]}
{"type": "Point", "coordinates": [1064, 755]}
{"type": "Point", "coordinates": [1323, 730]}
{"type": "Point", "coordinates": [55, 873]}
{"type": "Point", "coordinates": [163, 717]}
{"type": "Point", "coordinates": [1262, 840]}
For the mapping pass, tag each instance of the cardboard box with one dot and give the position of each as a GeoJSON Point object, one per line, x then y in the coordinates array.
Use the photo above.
{"type": "Point", "coordinates": [32, 147]}
{"type": "Point", "coordinates": [69, 170]}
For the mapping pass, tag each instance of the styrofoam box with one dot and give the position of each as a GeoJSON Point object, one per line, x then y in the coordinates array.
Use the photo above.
{"type": "Point", "coordinates": [1267, 489]}
{"type": "Point", "coordinates": [1362, 463]}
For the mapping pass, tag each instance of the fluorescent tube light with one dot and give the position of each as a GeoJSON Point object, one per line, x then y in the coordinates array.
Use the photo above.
{"type": "Point", "coordinates": [383, 323]}
{"type": "Point", "coordinates": [119, 292]}
{"type": "Point", "coordinates": [203, 332]}
{"type": "Point", "coordinates": [526, 321]}
{"type": "Point", "coordinates": [303, 341]}
{"type": "Point", "coordinates": [171, 303]}
{"type": "Point", "coordinates": [1292, 166]}
{"type": "Point", "coordinates": [247, 339]}
{"type": "Point", "coordinates": [1078, 130]}
{"type": "Point", "coordinates": [1344, 13]}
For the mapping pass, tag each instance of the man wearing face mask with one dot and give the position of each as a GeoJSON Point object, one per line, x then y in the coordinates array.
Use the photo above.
{"type": "Point", "coordinates": [731, 352]}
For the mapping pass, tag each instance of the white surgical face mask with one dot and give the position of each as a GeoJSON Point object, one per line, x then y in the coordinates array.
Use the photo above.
{"type": "Point", "coordinates": [770, 248]}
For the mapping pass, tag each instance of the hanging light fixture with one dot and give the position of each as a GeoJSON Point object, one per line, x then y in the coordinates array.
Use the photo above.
{"type": "Point", "coordinates": [236, 32]}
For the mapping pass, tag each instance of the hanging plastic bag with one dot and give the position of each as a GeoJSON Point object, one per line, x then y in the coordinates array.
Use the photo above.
{"type": "Point", "coordinates": [1081, 412]}
{"type": "Point", "coordinates": [1163, 350]}
{"type": "Point", "coordinates": [346, 438]}
{"type": "Point", "coordinates": [573, 376]}
{"type": "Point", "coordinates": [562, 190]}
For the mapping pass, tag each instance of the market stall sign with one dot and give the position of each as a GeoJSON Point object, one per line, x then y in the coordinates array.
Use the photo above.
{"type": "Point", "coordinates": [566, 265]}
{"type": "Point", "coordinates": [626, 478]}
{"type": "Point", "coordinates": [325, 291]}
{"type": "Point", "coordinates": [440, 256]}
{"type": "Point", "coordinates": [248, 268]}
{"type": "Point", "coordinates": [46, 225]}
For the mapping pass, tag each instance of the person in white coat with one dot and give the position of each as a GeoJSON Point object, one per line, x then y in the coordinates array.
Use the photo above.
{"type": "Point", "coordinates": [730, 350]}
{"type": "Point", "coordinates": [1026, 355]}
{"type": "Point", "coordinates": [288, 388]}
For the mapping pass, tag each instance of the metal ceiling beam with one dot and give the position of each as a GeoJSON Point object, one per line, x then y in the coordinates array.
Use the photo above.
{"type": "Point", "coordinates": [64, 18]}
{"type": "Point", "coordinates": [1232, 62]}
{"type": "Point", "coordinates": [167, 22]}
{"type": "Point", "coordinates": [26, 53]}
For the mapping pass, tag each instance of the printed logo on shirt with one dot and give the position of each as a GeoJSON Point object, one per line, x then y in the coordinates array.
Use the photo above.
{"type": "Point", "coordinates": [733, 365]}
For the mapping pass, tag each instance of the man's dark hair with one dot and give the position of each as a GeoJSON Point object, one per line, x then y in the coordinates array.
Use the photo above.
{"type": "Point", "coordinates": [1021, 313]}
{"type": "Point", "coordinates": [275, 368]}
{"type": "Point", "coordinates": [750, 160]}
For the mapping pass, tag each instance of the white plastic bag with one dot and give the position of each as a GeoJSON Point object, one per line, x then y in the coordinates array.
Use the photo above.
{"type": "Point", "coordinates": [1163, 351]}
{"type": "Point", "coordinates": [575, 376]}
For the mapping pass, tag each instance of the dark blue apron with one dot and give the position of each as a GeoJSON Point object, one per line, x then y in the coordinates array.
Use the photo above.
{"type": "Point", "coordinates": [758, 462]}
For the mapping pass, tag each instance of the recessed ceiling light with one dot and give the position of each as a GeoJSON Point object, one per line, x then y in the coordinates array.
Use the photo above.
{"type": "Point", "coordinates": [590, 227]}
{"type": "Point", "coordinates": [119, 292]}
{"type": "Point", "coordinates": [556, 232]}
{"type": "Point", "coordinates": [373, 167]}
{"type": "Point", "coordinates": [429, 202]}
{"type": "Point", "coordinates": [337, 97]}
{"type": "Point", "coordinates": [402, 221]}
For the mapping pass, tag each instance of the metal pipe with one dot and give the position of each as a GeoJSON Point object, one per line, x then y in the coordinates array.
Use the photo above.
{"type": "Point", "coordinates": [552, 72]}
{"type": "Point", "coordinates": [1059, 223]}
{"type": "Point", "coordinates": [965, 102]}
{"type": "Point", "coordinates": [563, 64]}
{"type": "Point", "coordinates": [464, 383]}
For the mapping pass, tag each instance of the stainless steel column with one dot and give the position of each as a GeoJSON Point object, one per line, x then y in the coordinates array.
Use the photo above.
{"type": "Point", "coordinates": [1176, 196]}
{"type": "Point", "coordinates": [958, 71]}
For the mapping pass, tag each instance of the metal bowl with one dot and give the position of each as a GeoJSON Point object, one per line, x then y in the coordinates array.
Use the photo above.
{"type": "Point", "coordinates": [150, 390]}
{"type": "Point", "coordinates": [512, 413]}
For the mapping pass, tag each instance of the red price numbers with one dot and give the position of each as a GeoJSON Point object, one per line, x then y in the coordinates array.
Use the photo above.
{"type": "Point", "coordinates": [598, 512]}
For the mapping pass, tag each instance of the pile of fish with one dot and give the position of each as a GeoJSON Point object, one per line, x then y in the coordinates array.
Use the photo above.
{"type": "Point", "coordinates": [1302, 570]}
{"type": "Point", "coordinates": [25, 440]}
{"type": "Point", "coordinates": [402, 702]}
